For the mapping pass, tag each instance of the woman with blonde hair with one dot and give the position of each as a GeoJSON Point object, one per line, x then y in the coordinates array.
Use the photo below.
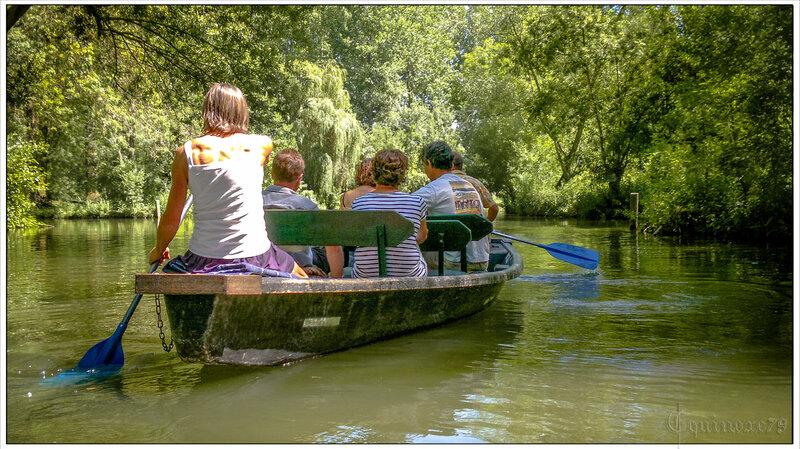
{"type": "Point", "coordinates": [224, 169]}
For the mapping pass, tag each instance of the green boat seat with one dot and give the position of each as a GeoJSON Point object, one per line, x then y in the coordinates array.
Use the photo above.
{"type": "Point", "coordinates": [479, 227]}
{"type": "Point", "coordinates": [338, 228]}
{"type": "Point", "coordinates": [447, 235]}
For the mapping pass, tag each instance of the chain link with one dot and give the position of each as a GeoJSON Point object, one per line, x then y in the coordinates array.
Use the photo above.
{"type": "Point", "coordinates": [167, 347]}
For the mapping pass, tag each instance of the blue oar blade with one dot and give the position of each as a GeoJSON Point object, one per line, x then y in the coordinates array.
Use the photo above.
{"type": "Point", "coordinates": [107, 352]}
{"type": "Point", "coordinates": [576, 255]}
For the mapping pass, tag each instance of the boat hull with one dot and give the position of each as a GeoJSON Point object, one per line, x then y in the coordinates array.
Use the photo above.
{"type": "Point", "coordinates": [250, 320]}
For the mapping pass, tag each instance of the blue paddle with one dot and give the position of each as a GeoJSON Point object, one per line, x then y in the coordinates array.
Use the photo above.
{"type": "Point", "coordinates": [576, 255]}
{"type": "Point", "coordinates": [108, 353]}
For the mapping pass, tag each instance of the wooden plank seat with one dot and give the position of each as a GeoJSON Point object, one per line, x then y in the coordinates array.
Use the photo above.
{"type": "Point", "coordinates": [338, 228]}
{"type": "Point", "coordinates": [479, 227]}
{"type": "Point", "coordinates": [447, 235]}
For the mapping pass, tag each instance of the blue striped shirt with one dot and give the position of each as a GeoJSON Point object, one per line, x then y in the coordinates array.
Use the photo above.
{"type": "Point", "coordinates": [405, 259]}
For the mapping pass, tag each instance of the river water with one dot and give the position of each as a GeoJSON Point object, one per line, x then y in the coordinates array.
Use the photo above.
{"type": "Point", "coordinates": [668, 341]}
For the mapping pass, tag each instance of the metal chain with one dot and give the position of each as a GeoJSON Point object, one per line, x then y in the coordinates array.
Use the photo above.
{"type": "Point", "coordinates": [167, 347]}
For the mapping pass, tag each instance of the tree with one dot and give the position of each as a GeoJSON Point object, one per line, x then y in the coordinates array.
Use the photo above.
{"type": "Point", "coordinates": [727, 139]}
{"type": "Point", "coordinates": [592, 87]}
{"type": "Point", "coordinates": [24, 180]}
{"type": "Point", "coordinates": [543, 48]}
{"type": "Point", "coordinates": [112, 90]}
{"type": "Point", "coordinates": [328, 134]}
{"type": "Point", "coordinates": [491, 119]}
{"type": "Point", "coordinates": [395, 56]}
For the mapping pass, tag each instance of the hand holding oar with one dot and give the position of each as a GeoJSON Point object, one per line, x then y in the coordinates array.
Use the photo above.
{"type": "Point", "coordinates": [109, 351]}
{"type": "Point", "coordinates": [576, 255]}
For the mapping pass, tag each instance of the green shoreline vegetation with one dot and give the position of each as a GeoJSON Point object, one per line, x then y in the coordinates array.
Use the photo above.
{"type": "Point", "coordinates": [562, 111]}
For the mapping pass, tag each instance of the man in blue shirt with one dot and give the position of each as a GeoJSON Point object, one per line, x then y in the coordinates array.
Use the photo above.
{"type": "Point", "coordinates": [287, 174]}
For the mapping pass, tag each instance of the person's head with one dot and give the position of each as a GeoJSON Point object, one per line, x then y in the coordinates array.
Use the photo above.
{"type": "Point", "coordinates": [225, 110]}
{"type": "Point", "coordinates": [438, 154]}
{"type": "Point", "coordinates": [288, 167]}
{"type": "Point", "coordinates": [364, 173]}
{"type": "Point", "coordinates": [458, 161]}
{"type": "Point", "coordinates": [389, 167]}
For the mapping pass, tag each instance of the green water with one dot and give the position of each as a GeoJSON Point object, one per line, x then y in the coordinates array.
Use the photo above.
{"type": "Point", "coordinates": [667, 342]}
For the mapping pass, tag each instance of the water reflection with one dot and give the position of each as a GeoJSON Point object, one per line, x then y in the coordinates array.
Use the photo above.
{"type": "Point", "coordinates": [393, 391]}
{"type": "Point", "coordinates": [564, 356]}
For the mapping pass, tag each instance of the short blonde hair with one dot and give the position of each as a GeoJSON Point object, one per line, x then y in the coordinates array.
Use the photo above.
{"type": "Point", "coordinates": [288, 165]}
{"type": "Point", "coordinates": [225, 110]}
{"type": "Point", "coordinates": [389, 167]}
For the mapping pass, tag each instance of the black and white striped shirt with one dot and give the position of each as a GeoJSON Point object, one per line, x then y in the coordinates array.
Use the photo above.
{"type": "Point", "coordinates": [404, 259]}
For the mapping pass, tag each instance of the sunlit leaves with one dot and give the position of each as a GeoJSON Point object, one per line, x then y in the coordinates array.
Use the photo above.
{"type": "Point", "coordinates": [24, 179]}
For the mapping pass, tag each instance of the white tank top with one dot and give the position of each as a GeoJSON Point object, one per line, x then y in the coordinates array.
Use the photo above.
{"type": "Point", "coordinates": [228, 209]}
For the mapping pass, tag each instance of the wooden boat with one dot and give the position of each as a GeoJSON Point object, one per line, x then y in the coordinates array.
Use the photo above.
{"type": "Point", "coordinates": [254, 320]}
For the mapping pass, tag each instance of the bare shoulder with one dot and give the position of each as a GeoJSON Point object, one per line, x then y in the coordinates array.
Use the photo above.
{"type": "Point", "coordinates": [208, 149]}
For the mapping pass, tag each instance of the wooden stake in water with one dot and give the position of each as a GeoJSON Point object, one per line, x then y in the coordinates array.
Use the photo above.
{"type": "Point", "coordinates": [635, 209]}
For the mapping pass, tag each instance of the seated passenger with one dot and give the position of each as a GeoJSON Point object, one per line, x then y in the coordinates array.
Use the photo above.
{"type": "Point", "coordinates": [224, 170]}
{"type": "Point", "coordinates": [404, 260]}
{"type": "Point", "coordinates": [364, 181]}
{"type": "Point", "coordinates": [448, 194]}
{"type": "Point", "coordinates": [365, 185]}
{"type": "Point", "coordinates": [287, 174]}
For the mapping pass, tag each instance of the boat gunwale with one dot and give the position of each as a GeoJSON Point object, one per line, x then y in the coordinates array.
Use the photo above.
{"type": "Point", "coordinates": [251, 285]}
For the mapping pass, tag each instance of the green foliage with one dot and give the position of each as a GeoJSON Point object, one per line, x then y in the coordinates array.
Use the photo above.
{"type": "Point", "coordinates": [560, 110]}
{"type": "Point", "coordinates": [24, 181]}
{"type": "Point", "coordinates": [328, 135]}
{"type": "Point", "coordinates": [724, 162]}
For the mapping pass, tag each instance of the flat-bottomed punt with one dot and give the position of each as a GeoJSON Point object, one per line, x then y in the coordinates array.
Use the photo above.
{"type": "Point", "coordinates": [255, 320]}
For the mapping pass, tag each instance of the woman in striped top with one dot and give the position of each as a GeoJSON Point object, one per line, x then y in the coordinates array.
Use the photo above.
{"type": "Point", "coordinates": [404, 260]}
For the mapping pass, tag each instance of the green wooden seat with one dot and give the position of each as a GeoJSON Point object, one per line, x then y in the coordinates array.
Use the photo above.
{"type": "Point", "coordinates": [479, 226]}
{"type": "Point", "coordinates": [447, 235]}
{"type": "Point", "coordinates": [338, 228]}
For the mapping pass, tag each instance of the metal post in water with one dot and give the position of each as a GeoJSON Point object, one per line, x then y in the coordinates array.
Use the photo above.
{"type": "Point", "coordinates": [635, 211]}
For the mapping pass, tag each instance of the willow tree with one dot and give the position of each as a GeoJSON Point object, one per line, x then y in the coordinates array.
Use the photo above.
{"type": "Point", "coordinates": [328, 134]}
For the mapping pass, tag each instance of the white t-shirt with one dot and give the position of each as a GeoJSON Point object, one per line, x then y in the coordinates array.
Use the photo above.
{"type": "Point", "coordinates": [450, 194]}
{"type": "Point", "coordinates": [404, 259]}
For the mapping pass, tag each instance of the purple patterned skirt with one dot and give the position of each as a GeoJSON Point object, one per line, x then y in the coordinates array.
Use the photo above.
{"type": "Point", "coordinates": [274, 259]}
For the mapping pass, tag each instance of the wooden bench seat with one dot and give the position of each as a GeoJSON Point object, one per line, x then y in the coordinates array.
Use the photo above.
{"type": "Point", "coordinates": [338, 228]}
{"type": "Point", "coordinates": [477, 226]}
{"type": "Point", "coordinates": [374, 228]}
{"type": "Point", "coordinates": [447, 235]}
